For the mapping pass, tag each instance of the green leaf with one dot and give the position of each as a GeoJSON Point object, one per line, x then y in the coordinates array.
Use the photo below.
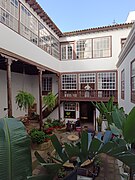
{"type": "Point", "coordinates": [106, 148]}
{"type": "Point", "coordinates": [39, 158]}
{"type": "Point", "coordinates": [94, 147]}
{"type": "Point", "coordinates": [115, 130]}
{"type": "Point", "coordinates": [15, 151]}
{"type": "Point", "coordinates": [52, 168]}
{"type": "Point", "coordinates": [127, 158]}
{"type": "Point", "coordinates": [72, 150]}
{"type": "Point", "coordinates": [49, 100]}
{"type": "Point", "coordinates": [58, 148]}
{"type": "Point", "coordinates": [118, 118]}
{"type": "Point", "coordinates": [84, 146]}
{"type": "Point", "coordinates": [129, 127]}
{"type": "Point", "coordinates": [110, 104]}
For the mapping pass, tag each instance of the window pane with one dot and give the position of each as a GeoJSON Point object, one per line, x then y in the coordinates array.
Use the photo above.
{"type": "Point", "coordinates": [69, 81]}
{"type": "Point", "coordinates": [47, 84]}
{"type": "Point", "coordinates": [84, 49]}
{"type": "Point", "coordinates": [107, 80]}
{"type": "Point", "coordinates": [101, 47]}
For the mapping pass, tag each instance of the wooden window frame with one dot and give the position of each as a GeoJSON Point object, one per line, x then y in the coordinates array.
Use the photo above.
{"type": "Point", "coordinates": [123, 40]}
{"type": "Point", "coordinates": [123, 84]}
{"type": "Point", "coordinates": [45, 92]}
{"type": "Point", "coordinates": [68, 110]}
{"type": "Point", "coordinates": [131, 77]}
{"type": "Point", "coordinates": [66, 46]}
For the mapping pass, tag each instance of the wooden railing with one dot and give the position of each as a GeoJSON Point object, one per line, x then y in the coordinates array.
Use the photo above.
{"type": "Point", "coordinates": [91, 95]}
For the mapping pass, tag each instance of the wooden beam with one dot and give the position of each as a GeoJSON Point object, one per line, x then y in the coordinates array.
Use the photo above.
{"type": "Point", "coordinates": [59, 114]}
{"type": "Point", "coordinates": [9, 88]}
{"type": "Point", "coordinates": [40, 98]}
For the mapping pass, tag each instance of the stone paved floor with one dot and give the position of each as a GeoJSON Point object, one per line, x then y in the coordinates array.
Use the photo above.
{"type": "Point", "coordinates": [109, 169]}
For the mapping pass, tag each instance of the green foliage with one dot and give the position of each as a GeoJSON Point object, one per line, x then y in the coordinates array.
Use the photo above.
{"type": "Point", "coordinates": [58, 148]}
{"type": "Point", "coordinates": [15, 151]}
{"type": "Point", "coordinates": [49, 100]}
{"type": "Point", "coordinates": [106, 109]}
{"type": "Point", "coordinates": [24, 100]}
{"type": "Point", "coordinates": [117, 148]}
{"type": "Point", "coordinates": [37, 136]}
{"type": "Point", "coordinates": [129, 127]}
{"type": "Point", "coordinates": [99, 120]}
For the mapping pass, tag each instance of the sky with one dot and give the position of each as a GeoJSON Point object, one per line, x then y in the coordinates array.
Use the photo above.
{"type": "Point", "coordinates": [70, 15]}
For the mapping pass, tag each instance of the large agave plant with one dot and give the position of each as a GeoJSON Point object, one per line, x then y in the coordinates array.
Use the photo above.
{"type": "Point", "coordinates": [15, 152]}
{"type": "Point", "coordinates": [88, 148]}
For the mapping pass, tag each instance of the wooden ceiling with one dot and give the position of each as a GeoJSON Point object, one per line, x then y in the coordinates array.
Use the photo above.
{"type": "Point", "coordinates": [21, 67]}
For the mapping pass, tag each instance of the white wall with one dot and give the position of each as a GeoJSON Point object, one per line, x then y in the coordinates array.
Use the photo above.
{"type": "Point", "coordinates": [97, 63]}
{"type": "Point", "coordinates": [25, 82]}
{"type": "Point", "coordinates": [19, 82]}
{"type": "Point", "coordinates": [13, 42]}
{"type": "Point", "coordinates": [126, 103]}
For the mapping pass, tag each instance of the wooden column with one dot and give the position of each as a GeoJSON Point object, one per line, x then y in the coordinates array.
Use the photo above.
{"type": "Point", "coordinates": [59, 115]}
{"type": "Point", "coordinates": [40, 98]}
{"type": "Point", "coordinates": [9, 88]}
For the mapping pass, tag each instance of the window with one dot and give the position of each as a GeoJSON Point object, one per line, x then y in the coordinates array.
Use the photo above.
{"type": "Point", "coordinates": [122, 83]}
{"type": "Point", "coordinates": [101, 47]}
{"type": "Point", "coordinates": [55, 47]}
{"type": "Point", "coordinates": [70, 110]}
{"type": "Point", "coordinates": [67, 51]}
{"type": "Point", "coordinates": [44, 39]}
{"type": "Point", "coordinates": [133, 81]}
{"type": "Point", "coordinates": [107, 81]}
{"type": "Point", "coordinates": [93, 48]}
{"type": "Point", "coordinates": [46, 85]}
{"type": "Point", "coordinates": [69, 81]}
{"type": "Point", "coordinates": [123, 40]}
{"type": "Point", "coordinates": [9, 13]}
{"type": "Point", "coordinates": [84, 49]}
{"type": "Point", "coordinates": [29, 25]}
{"type": "Point", "coordinates": [87, 78]}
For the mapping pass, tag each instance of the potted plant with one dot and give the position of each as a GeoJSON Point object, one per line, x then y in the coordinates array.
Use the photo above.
{"type": "Point", "coordinates": [49, 101]}
{"type": "Point", "coordinates": [40, 140]}
{"type": "Point", "coordinates": [24, 100]}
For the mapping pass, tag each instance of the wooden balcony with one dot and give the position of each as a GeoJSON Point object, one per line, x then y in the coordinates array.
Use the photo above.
{"type": "Point", "coordinates": [91, 95]}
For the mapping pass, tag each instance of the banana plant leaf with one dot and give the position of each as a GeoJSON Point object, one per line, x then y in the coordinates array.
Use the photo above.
{"type": "Point", "coordinates": [129, 127]}
{"type": "Point", "coordinates": [110, 105]}
{"type": "Point", "coordinates": [115, 130]}
{"type": "Point", "coordinates": [15, 152]}
{"type": "Point", "coordinates": [118, 118]}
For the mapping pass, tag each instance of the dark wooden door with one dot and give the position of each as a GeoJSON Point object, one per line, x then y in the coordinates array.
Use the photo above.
{"type": "Point", "coordinates": [86, 112]}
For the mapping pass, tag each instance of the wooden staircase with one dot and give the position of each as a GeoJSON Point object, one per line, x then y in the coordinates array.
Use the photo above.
{"type": "Point", "coordinates": [46, 112]}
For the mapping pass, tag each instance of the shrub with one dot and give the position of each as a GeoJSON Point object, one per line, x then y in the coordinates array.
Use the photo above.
{"type": "Point", "coordinates": [37, 136]}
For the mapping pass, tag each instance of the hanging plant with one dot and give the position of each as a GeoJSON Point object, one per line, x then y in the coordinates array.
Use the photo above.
{"type": "Point", "coordinates": [24, 100]}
